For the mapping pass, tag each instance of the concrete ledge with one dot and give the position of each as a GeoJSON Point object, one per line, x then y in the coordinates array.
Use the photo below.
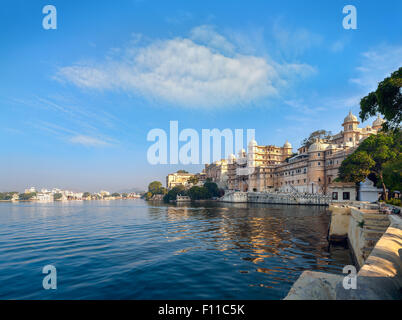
{"type": "Point", "coordinates": [380, 278]}
{"type": "Point", "coordinates": [381, 275]}
{"type": "Point", "coordinates": [313, 285]}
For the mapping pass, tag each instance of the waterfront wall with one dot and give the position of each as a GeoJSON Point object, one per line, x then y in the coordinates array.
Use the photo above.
{"type": "Point", "coordinates": [360, 226]}
{"type": "Point", "coordinates": [366, 227]}
{"type": "Point", "coordinates": [235, 197]}
{"type": "Point", "coordinates": [339, 225]}
{"type": "Point", "coordinates": [380, 276]}
{"type": "Point", "coordinates": [276, 198]}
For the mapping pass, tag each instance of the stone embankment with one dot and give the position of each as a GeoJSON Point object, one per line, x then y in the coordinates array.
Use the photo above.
{"type": "Point", "coordinates": [375, 239]}
{"type": "Point", "coordinates": [294, 198]}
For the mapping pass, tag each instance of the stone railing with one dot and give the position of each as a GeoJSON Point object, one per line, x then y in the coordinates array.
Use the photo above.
{"type": "Point", "coordinates": [379, 278]}
{"type": "Point", "coordinates": [293, 198]}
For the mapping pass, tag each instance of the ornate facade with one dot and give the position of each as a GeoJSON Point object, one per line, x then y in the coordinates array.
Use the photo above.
{"type": "Point", "coordinates": [311, 170]}
{"type": "Point", "coordinates": [178, 178]}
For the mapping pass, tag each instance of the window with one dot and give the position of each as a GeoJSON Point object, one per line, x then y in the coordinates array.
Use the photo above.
{"type": "Point", "coordinates": [319, 163]}
{"type": "Point", "coordinates": [319, 154]}
{"type": "Point", "coordinates": [350, 139]}
{"type": "Point", "coordinates": [334, 195]}
{"type": "Point", "coordinates": [346, 196]}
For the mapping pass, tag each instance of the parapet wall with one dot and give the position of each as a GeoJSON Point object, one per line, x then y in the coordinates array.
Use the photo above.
{"type": "Point", "coordinates": [380, 277]}
{"type": "Point", "coordinates": [362, 226]}
{"type": "Point", "coordinates": [277, 198]}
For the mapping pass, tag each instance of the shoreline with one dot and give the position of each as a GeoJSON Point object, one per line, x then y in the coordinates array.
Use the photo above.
{"type": "Point", "coordinates": [40, 201]}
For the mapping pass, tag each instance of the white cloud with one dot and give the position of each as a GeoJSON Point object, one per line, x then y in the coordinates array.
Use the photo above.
{"type": "Point", "coordinates": [88, 141]}
{"type": "Point", "coordinates": [376, 65]}
{"type": "Point", "coordinates": [207, 36]}
{"type": "Point", "coordinates": [204, 71]}
{"type": "Point", "coordinates": [339, 45]}
{"type": "Point", "coordinates": [295, 42]}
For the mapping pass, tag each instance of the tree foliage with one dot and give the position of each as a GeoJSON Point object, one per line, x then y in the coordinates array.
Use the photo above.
{"type": "Point", "coordinates": [199, 193]}
{"type": "Point", "coordinates": [374, 155]}
{"type": "Point", "coordinates": [387, 100]}
{"type": "Point", "coordinates": [148, 195]}
{"type": "Point", "coordinates": [172, 193]}
{"type": "Point", "coordinates": [356, 167]}
{"type": "Point", "coordinates": [57, 196]}
{"type": "Point", "coordinates": [193, 180]}
{"type": "Point", "coordinates": [319, 134]}
{"type": "Point", "coordinates": [155, 187]}
{"type": "Point", "coordinates": [27, 196]}
{"type": "Point", "coordinates": [7, 195]}
{"type": "Point", "coordinates": [212, 187]}
{"type": "Point", "coordinates": [393, 174]}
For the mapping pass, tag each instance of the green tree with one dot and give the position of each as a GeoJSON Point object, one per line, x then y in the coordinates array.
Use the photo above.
{"type": "Point", "coordinates": [213, 189]}
{"type": "Point", "coordinates": [148, 195]}
{"type": "Point", "coordinates": [57, 196]}
{"type": "Point", "coordinates": [393, 174]}
{"type": "Point", "coordinates": [27, 196]}
{"type": "Point", "coordinates": [86, 194]}
{"type": "Point", "coordinates": [387, 100]}
{"type": "Point", "coordinates": [116, 195]}
{"type": "Point", "coordinates": [371, 156]}
{"type": "Point", "coordinates": [199, 193]}
{"type": "Point", "coordinates": [182, 171]}
{"type": "Point", "coordinates": [356, 167]}
{"type": "Point", "coordinates": [155, 187]}
{"type": "Point", "coordinates": [319, 134]}
{"type": "Point", "coordinates": [172, 194]}
{"type": "Point", "coordinates": [193, 180]}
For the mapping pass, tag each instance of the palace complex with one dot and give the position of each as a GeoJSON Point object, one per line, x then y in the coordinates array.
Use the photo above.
{"type": "Point", "coordinates": [272, 168]}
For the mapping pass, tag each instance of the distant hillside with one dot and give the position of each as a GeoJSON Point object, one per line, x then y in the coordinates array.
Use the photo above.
{"type": "Point", "coordinates": [136, 190]}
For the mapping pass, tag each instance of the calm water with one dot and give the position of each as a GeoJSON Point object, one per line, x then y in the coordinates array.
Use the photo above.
{"type": "Point", "coordinates": [134, 250]}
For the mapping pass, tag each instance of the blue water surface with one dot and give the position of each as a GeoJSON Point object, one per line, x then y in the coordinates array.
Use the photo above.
{"type": "Point", "coordinates": [131, 249]}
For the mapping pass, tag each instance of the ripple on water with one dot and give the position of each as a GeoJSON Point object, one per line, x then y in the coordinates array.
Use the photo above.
{"type": "Point", "coordinates": [132, 250]}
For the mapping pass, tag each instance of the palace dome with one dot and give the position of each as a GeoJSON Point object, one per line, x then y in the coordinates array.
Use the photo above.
{"type": "Point", "coordinates": [317, 146]}
{"type": "Point", "coordinates": [252, 143]}
{"type": "Point", "coordinates": [350, 118]}
{"type": "Point", "coordinates": [378, 122]}
{"type": "Point", "coordinates": [287, 145]}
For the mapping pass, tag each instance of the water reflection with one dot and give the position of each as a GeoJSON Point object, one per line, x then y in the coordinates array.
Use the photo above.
{"type": "Point", "coordinates": [139, 250]}
{"type": "Point", "coordinates": [292, 237]}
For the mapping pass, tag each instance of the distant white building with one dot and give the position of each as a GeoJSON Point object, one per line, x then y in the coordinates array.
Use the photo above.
{"type": "Point", "coordinates": [104, 193]}
{"type": "Point", "coordinates": [30, 190]}
{"type": "Point", "coordinates": [44, 197]}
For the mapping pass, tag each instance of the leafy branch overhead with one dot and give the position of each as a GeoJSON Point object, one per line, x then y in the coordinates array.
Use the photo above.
{"type": "Point", "coordinates": [387, 100]}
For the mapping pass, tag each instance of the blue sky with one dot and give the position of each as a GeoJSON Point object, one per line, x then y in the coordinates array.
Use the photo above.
{"type": "Point", "coordinates": [77, 102]}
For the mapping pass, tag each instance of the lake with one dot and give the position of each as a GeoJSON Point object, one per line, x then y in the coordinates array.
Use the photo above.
{"type": "Point", "coordinates": [131, 249]}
